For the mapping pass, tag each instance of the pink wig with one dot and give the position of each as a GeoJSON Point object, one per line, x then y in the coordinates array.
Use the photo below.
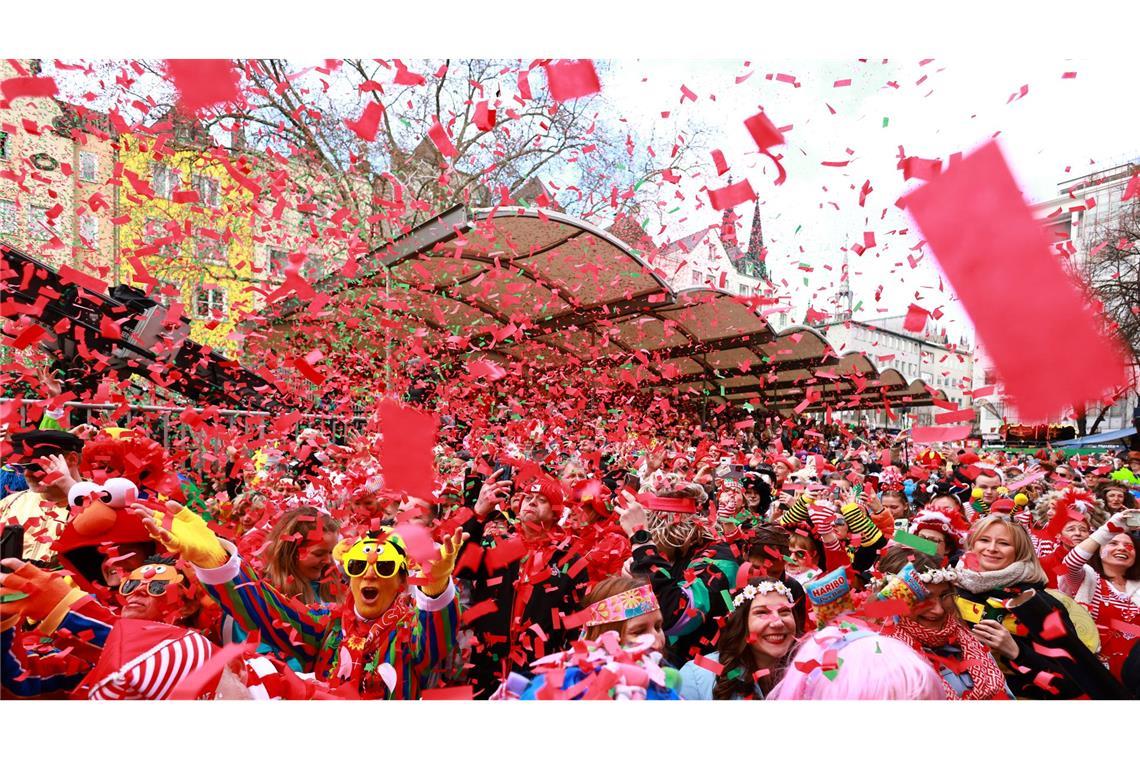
{"type": "Point", "coordinates": [870, 666]}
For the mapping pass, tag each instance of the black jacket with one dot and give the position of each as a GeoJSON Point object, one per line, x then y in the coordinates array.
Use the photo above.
{"type": "Point", "coordinates": [1080, 674]}
{"type": "Point", "coordinates": [556, 586]}
{"type": "Point", "coordinates": [693, 592]}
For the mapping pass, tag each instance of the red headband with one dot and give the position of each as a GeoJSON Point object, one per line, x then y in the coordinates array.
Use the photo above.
{"type": "Point", "coordinates": [667, 503]}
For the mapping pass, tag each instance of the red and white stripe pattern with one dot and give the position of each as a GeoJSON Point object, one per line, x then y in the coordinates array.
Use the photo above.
{"type": "Point", "coordinates": [154, 673]}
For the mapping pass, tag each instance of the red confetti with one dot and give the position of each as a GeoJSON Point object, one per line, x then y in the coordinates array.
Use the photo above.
{"type": "Point", "coordinates": [987, 242]}
{"type": "Point", "coordinates": [28, 87]}
{"type": "Point", "coordinates": [940, 434]}
{"type": "Point", "coordinates": [369, 122]}
{"type": "Point", "coordinates": [406, 456]}
{"type": "Point", "coordinates": [915, 319]}
{"type": "Point", "coordinates": [440, 139]}
{"type": "Point", "coordinates": [203, 83]}
{"type": "Point", "coordinates": [568, 80]}
{"type": "Point", "coordinates": [763, 131]}
{"type": "Point", "coordinates": [732, 195]}
{"type": "Point", "coordinates": [719, 162]}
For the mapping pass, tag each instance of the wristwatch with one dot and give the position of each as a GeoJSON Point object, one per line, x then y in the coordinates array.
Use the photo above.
{"type": "Point", "coordinates": [641, 537]}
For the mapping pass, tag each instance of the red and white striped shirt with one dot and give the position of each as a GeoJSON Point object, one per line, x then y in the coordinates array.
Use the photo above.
{"type": "Point", "coordinates": [156, 672]}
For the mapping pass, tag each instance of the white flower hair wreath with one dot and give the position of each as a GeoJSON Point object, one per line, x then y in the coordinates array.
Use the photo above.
{"type": "Point", "coordinates": [941, 575]}
{"type": "Point", "coordinates": [750, 592]}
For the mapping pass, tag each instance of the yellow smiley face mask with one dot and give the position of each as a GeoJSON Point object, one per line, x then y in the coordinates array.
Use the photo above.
{"type": "Point", "coordinates": [377, 569]}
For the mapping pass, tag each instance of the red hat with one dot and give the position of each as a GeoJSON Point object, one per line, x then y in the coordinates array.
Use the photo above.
{"type": "Point", "coordinates": [1072, 505]}
{"type": "Point", "coordinates": [933, 519]}
{"type": "Point", "coordinates": [969, 458]}
{"type": "Point", "coordinates": [550, 488]}
{"type": "Point", "coordinates": [929, 459]}
{"type": "Point", "coordinates": [1001, 506]}
{"type": "Point", "coordinates": [146, 660]}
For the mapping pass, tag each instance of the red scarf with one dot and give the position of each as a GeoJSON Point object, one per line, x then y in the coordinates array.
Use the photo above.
{"type": "Point", "coordinates": [989, 682]}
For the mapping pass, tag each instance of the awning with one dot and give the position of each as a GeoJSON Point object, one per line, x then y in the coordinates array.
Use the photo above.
{"type": "Point", "coordinates": [557, 292]}
{"type": "Point", "coordinates": [1091, 440]}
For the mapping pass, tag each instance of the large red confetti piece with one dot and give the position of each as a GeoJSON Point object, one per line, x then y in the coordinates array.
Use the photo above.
{"type": "Point", "coordinates": [203, 83]}
{"type": "Point", "coordinates": [997, 258]}
{"type": "Point", "coordinates": [568, 80]}
{"type": "Point", "coordinates": [732, 195]}
{"type": "Point", "coordinates": [405, 77]}
{"type": "Point", "coordinates": [368, 124]}
{"type": "Point", "coordinates": [1133, 188]}
{"type": "Point", "coordinates": [921, 168]}
{"type": "Point", "coordinates": [915, 320]}
{"type": "Point", "coordinates": [940, 434]}
{"type": "Point", "coordinates": [763, 131]}
{"type": "Point", "coordinates": [711, 666]}
{"type": "Point", "coordinates": [440, 139]}
{"type": "Point", "coordinates": [484, 117]}
{"type": "Point", "coordinates": [958, 415]}
{"type": "Point", "coordinates": [406, 456]}
{"type": "Point", "coordinates": [28, 87]}
{"type": "Point", "coordinates": [719, 162]}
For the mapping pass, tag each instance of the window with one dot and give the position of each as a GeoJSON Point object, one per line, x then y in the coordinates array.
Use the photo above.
{"type": "Point", "coordinates": [278, 260]}
{"type": "Point", "coordinates": [89, 230]}
{"type": "Point", "coordinates": [697, 277]}
{"type": "Point", "coordinates": [212, 251]}
{"type": "Point", "coordinates": [38, 227]}
{"type": "Point", "coordinates": [165, 179]}
{"type": "Point", "coordinates": [207, 189]}
{"type": "Point", "coordinates": [209, 301]}
{"type": "Point", "coordinates": [88, 166]}
{"type": "Point", "coordinates": [744, 289]}
{"type": "Point", "coordinates": [8, 216]}
{"type": "Point", "coordinates": [5, 146]}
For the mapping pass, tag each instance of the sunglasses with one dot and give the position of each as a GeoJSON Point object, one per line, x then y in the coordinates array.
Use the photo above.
{"type": "Point", "coordinates": [385, 568]}
{"type": "Point", "coordinates": [154, 588]}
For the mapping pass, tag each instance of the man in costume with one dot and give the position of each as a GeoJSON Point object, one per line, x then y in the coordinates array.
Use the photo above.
{"type": "Point", "coordinates": [379, 644]}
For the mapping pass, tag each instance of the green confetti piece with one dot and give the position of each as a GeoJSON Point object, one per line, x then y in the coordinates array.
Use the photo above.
{"type": "Point", "coordinates": [916, 542]}
{"type": "Point", "coordinates": [8, 598]}
{"type": "Point", "coordinates": [830, 674]}
{"type": "Point", "coordinates": [886, 120]}
{"type": "Point", "coordinates": [727, 598]}
{"type": "Point", "coordinates": [858, 307]}
{"type": "Point", "coordinates": [800, 227]}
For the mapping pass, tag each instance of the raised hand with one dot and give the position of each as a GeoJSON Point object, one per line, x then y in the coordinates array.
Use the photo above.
{"type": "Point", "coordinates": [182, 532]}
{"type": "Point", "coordinates": [440, 573]}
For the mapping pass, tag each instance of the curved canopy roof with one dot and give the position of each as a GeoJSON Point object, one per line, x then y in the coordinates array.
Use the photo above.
{"type": "Point", "coordinates": [557, 292]}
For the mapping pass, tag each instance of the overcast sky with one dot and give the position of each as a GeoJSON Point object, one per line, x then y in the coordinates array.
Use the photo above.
{"type": "Point", "coordinates": [983, 52]}
{"type": "Point", "coordinates": [1061, 128]}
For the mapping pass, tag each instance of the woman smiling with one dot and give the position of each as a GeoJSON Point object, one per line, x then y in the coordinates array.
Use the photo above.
{"type": "Point", "coordinates": [752, 649]}
{"type": "Point", "coordinates": [1001, 590]}
{"type": "Point", "coordinates": [934, 630]}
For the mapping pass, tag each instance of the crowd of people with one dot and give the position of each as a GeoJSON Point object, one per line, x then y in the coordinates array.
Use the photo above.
{"type": "Point", "coordinates": [786, 559]}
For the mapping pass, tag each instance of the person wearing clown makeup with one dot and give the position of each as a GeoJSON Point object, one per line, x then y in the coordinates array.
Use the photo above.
{"type": "Point", "coordinates": [380, 643]}
{"type": "Point", "coordinates": [72, 627]}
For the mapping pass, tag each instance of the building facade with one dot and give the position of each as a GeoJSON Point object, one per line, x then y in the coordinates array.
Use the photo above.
{"type": "Point", "coordinates": [930, 357]}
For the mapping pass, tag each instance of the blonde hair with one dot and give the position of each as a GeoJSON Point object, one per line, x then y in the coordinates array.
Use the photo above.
{"type": "Point", "coordinates": [1022, 544]}
{"type": "Point", "coordinates": [283, 548]}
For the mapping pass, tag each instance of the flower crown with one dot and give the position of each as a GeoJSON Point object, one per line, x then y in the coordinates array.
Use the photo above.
{"type": "Point", "coordinates": [750, 592]}
{"type": "Point", "coordinates": [940, 575]}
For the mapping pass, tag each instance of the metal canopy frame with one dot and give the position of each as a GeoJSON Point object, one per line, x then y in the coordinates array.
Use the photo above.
{"type": "Point", "coordinates": [573, 284]}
